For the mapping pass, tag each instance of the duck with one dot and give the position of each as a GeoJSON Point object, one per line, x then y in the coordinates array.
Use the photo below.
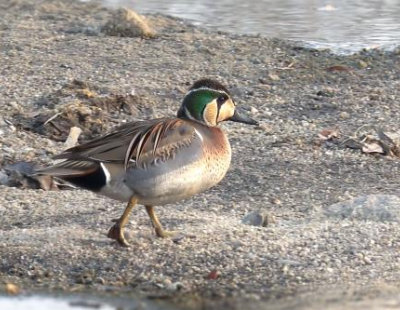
{"type": "Point", "coordinates": [159, 161]}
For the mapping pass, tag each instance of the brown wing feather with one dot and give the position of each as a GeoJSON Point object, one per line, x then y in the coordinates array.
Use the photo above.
{"type": "Point", "coordinates": [141, 142]}
{"type": "Point", "coordinates": [69, 168]}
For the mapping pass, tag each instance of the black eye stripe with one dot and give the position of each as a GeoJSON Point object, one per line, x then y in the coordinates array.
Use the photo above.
{"type": "Point", "coordinates": [221, 100]}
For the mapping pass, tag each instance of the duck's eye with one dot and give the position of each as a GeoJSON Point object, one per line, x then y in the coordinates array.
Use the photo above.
{"type": "Point", "coordinates": [221, 100]}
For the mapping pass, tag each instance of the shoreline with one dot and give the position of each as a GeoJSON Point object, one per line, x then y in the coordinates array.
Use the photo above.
{"type": "Point", "coordinates": [253, 23]}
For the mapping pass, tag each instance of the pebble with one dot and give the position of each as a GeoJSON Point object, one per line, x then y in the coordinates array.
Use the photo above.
{"type": "Point", "coordinates": [12, 289]}
{"type": "Point", "coordinates": [174, 287]}
{"type": "Point", "coordinates": [8, 150]}
{"type": "Point", "coordinates": [326, 92]}
{"type": "Point", "coordinates": [274, 77]}
{"type": "Point", "coordinates": [362, 64]}
{"type": "Point", "coordinates": [253, 111]}
{"type": "Point", "coordinates": [267, 128]}
{"type": "Point", "coordinates": [344, 115]}
{"type": "Point", "coordinates": [16, 106]}
{"type": "Point", "coordinates": [276, 201]}
{"type": "Point", "coordinates": [256, 218]}
{"type": "Point", "coordinates": [100, 281]}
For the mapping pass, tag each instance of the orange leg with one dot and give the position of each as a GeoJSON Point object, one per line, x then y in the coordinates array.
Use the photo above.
{"type": "Point", "coordinates": [160, 232]}
{"type": "Point", "coordinates": [117, 231]}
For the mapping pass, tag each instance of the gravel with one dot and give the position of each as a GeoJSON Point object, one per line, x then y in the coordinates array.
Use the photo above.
{"type": "Point", "coordinates": [56, 240]}
{"type": "Point", "coordinates": [382, 208]}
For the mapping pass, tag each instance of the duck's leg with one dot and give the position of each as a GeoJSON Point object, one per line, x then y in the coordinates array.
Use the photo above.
{"type": "Point", "coordinates": [160, 232]}
{"type": "Point", "coordinates": [117, 231]}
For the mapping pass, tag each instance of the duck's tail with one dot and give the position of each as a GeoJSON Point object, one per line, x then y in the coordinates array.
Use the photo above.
{"type": "Point", "coordinates": [85, 174]}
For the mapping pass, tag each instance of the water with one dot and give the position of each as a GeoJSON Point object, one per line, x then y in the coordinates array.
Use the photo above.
{"type": "Point", "coordinates": [343, 25]}
{"type": "Point", "coordinates": [50, 303]}
{"type": "Point", "coordinates": [76, 302]}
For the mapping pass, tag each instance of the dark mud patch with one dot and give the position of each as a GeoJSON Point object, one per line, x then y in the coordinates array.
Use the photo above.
{"type": "Point", "coordinates": [79, 104]}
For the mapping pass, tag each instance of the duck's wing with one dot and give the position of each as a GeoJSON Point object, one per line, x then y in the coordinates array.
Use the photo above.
{"type": "Point", "coordinates": [140, 143]}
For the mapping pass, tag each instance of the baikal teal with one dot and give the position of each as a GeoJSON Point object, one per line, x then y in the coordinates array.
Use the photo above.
{"type": "Point", "coordinates": [160, 161]}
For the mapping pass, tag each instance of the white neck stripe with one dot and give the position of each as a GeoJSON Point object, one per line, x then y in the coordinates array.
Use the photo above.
{"type": "Point", "coordinates": [187, 113]}
{"type": "Point", "coordinates": [206, 88]}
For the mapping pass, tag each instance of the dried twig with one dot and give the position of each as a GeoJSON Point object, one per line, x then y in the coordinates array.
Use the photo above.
{"type": "Point", "coordinates": [51, 118]}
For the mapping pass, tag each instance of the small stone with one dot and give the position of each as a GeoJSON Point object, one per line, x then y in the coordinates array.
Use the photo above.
{"type": "Point", "coordinates": [362, 64]}
{"type": "Point", "coordinates": [8, 150]}
{"type": "Point", "coordinates": [265, 127]}
{"type": "Point", "coordinates": [256, 218]}
{"type": "Point", "coordinates": [367, 260]}
{"type": "Point", "coordinates": [253, 297]}
{"type": "Point", "coordinates": [181, 90]}
{"type": "Point", "coordinates": [269, 219]}
{"type": "Point", "coordinates": [12, 289]}
{"type": "Point", "coordinates": [274, 77]}
{"type": "Point", "coordinates": [253, 111]}
{"type": "Point", "coordinates": [344, 115]}
{"type": "Point", "coordinates": [16, 106]}
{"type": "Point", "coordinates": [326, 92]}
{"type": "Point", "coordinates": [174, 287]}
{"type": "Point", "coordinates": [330, 270]}
{"type": "Point", "coordinates": [267, 60]}
{"type": "Point", "coordinates": [276, 201]}
{"type": "Point", "coordinates": [127, 23]}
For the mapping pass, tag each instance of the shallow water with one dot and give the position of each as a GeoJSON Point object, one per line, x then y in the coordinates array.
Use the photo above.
{"type": "Point", "coordinates": [344, 26]}
{"type": "Point", "coordinates": [49, 303]}
{"type": "Point", "coordinates": [80, 302]}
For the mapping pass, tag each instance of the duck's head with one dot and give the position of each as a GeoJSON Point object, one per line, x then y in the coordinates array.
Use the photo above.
{"type": "Point", "coordinates": [210, 103]}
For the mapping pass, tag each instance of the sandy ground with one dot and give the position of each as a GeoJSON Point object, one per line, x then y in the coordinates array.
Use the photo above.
{"type": "Point", "coordinates": [55, 61]}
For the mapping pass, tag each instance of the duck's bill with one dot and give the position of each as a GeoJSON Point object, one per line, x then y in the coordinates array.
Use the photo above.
{"type": "Point", "coordinates": [242, 118]}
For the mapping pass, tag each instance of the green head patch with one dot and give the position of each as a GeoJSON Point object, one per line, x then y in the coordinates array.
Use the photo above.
{"type": "Point", "coordinates": [196, 101]}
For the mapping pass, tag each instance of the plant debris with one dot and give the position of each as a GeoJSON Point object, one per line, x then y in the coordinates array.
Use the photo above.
{"type": "Point", "coordinates": [79, 104]}
{"type": "Point", "coordinates": [375, 141]}
{"type": "Point", "coordinates": [328, 134]}
{"type": "Point", "coordinates": [339, 68]}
